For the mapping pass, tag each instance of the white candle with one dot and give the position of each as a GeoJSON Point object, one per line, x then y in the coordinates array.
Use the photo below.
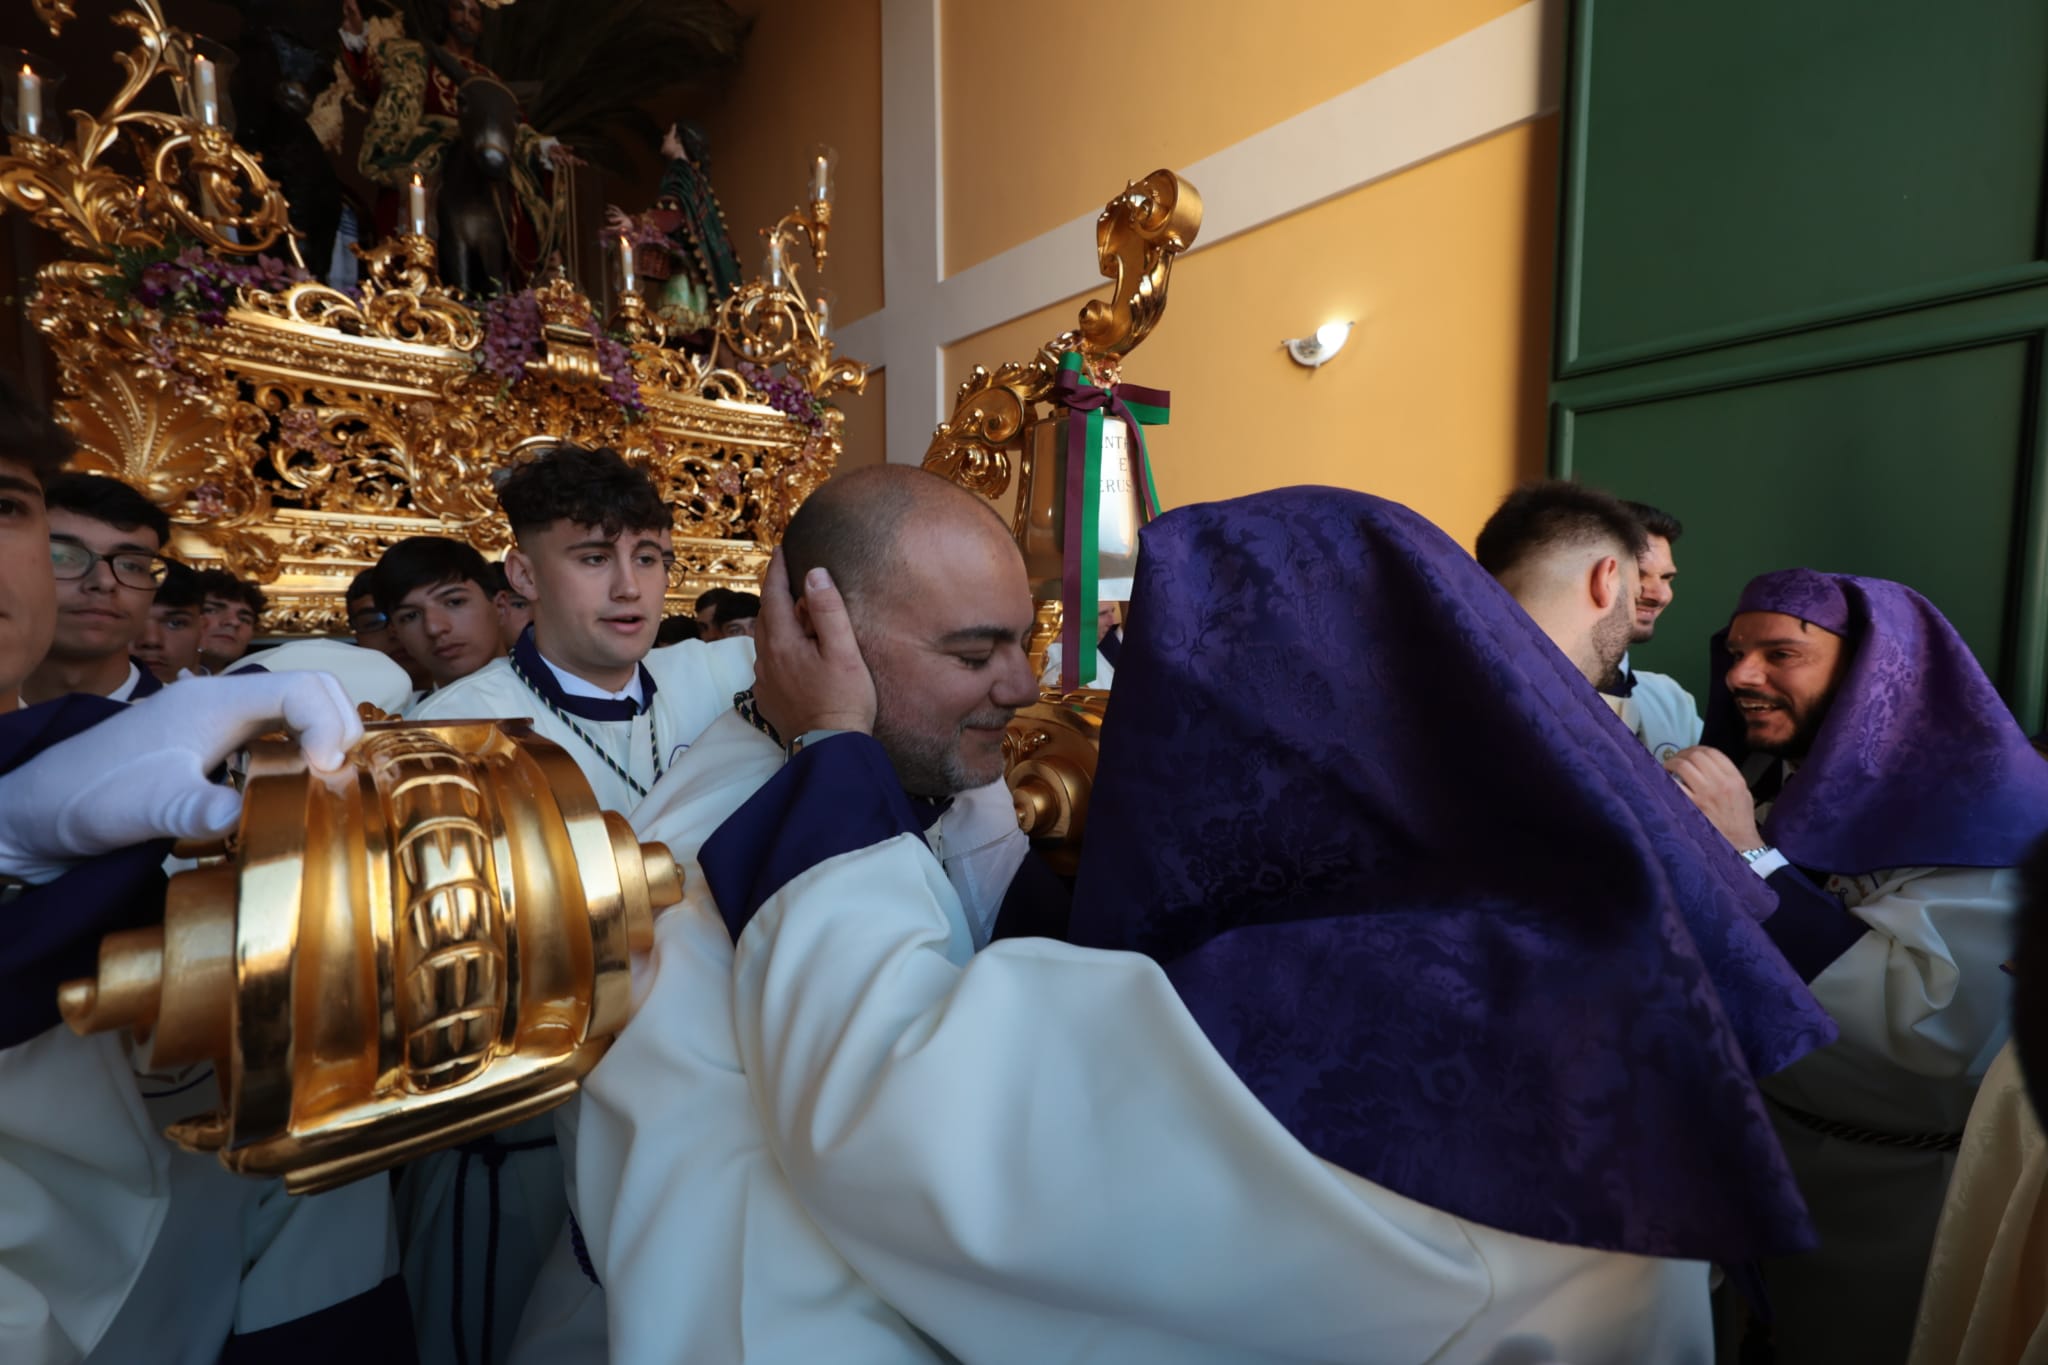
{"type": "Point", "coordinates": [629, 279]}
{"type": "Point", "coordinates": [28, 99]}
{"type": "Point", "coordinates": [821, 311]}
{"type": "Point", "coordinates": [773, 272]}
{"type": "Point", "coordinates": [416, 207]}
{"type": "Point", "coordinates": [821, 179]}
{"type": "Point", "coordinates": [206, 92]}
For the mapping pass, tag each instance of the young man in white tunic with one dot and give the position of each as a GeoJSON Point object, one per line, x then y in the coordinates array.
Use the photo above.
{"type": "Point", "coordinates": [114, 1245]}
{"type": "Point", "coordinates": [1870, 774]}
{"type": "Point", "coordinates": [594, 546]}
{"type": "Point", "coordinates": [1032, 1152]}
{"type": "Point", "coordinates": [1582, 565]}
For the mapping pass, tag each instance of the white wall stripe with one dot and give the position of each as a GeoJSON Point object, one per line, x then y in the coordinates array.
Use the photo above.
{"type": "Point", "coordinates": [1500, 74]}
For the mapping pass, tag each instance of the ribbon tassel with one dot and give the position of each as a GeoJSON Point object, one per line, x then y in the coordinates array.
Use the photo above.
{"type": "Point", "coordinates": [1080, 578]}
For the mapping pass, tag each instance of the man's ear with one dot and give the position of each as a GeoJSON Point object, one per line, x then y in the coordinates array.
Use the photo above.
{"type": "Point", "coordinates": [803, 618]}
{"type": "Point", "coordinates": [519, 573]}
{"type": "Point", "coordinates": [1604, 583]}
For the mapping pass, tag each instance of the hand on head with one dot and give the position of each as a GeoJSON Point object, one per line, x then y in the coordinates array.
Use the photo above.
{"type": "Point", "coordinates": [808, 671]}
{"type": "Point", "coordinates": [1714, 784]}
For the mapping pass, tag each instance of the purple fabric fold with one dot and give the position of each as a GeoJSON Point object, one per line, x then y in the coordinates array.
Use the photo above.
{"type": "Point", "coordinates": [1919, 762]}
{"type": "Point", "coordinates": [1438, 909]}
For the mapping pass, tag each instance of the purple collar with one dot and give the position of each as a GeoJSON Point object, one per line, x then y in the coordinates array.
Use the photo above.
{"type": "Point", "coordinates": [1431, 901]}
{"type": "Point", "coordinates": [1919, 763]}
{"type": "Point", "coordinates": [527, 662]}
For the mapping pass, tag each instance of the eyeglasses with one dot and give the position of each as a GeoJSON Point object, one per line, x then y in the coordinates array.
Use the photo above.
{"type": "Point", "coordinates": [132, 568]}
{"type": "Point", "coordinates": [365, 622]}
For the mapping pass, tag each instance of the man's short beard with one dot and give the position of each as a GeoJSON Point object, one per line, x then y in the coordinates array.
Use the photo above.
{"type": "Point", "coordinates": [1805, 730]}
{"type": "Point", "coordinates": [1642, 635]}
{"type": "Point", "coordinates": [1611, 635]}
{"type": "Point", "coordinates": [928, 764]}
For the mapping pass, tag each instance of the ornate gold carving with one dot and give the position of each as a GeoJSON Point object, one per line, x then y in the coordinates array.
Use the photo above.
{"type": "Point", "coordinates": [1137, 236]}
{"type": "Point", "coordinates": [296, 440]}
{"type": "Point", "coordinates": [1049, 753]}
{"type": "Point", "coordinates": [392, 964]}
{"type": "Point", "coordinates": [196, 180]}
{"type": "Point", "coordinates": [55, 13]}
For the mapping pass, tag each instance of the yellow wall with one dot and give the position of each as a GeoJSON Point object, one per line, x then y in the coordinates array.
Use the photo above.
{"type": "Point", "coordinates": [1437, 401]}
{"type": "Point", "coordinates": [1044, 122]}
{"type": "Point", "coordinates": [812, 73]}
{"type": "Point", "coordinates": [863, 438]}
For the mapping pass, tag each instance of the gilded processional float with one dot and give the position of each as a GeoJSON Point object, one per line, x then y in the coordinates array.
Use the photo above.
{"type": "Point", "coordinates": [438, 946]}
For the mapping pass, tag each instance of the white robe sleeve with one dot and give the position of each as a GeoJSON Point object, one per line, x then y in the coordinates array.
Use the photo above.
{"type": "Point", "coordinates": [1921, 992]}
{"type": "Point", "coordinates": [1039, 1157]}
{"type": "Point", "coordinates": [84, 1187]}
{"type": "Point", "coordinates": [702, 1250]}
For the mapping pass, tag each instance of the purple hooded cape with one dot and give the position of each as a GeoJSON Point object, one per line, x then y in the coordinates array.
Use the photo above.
{"type": "Point", "coordinates": [1918, 763]}
{"type": "Point", "coordinates": [1441, 912]}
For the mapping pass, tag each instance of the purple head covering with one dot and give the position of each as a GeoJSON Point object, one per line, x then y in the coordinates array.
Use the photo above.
{"type": "Point", "coordinates": [1918, 763]}
{"type": "Point", "coordinates": [1437, 907]}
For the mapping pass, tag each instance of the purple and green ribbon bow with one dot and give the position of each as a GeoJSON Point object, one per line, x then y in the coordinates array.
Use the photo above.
{"type": "Point", "coordinates": [1080, 580]}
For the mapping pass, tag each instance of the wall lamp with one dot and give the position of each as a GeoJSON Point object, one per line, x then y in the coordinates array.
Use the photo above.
{"type": "Point", "coordinates": [1320, 349]}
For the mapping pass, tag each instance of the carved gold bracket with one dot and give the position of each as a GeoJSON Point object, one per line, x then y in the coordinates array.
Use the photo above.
{"type": "Point", "coordinates": [1137, 237]}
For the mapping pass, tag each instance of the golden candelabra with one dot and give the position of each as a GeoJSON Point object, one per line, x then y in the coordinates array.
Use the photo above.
{"type": "Point", "coordinates": [432, 948]}
{"type": "Point", "coordinates": [303, 431]}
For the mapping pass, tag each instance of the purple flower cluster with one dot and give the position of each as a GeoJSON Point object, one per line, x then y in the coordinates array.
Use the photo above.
{"type": "Point", "coordinates": [512, 337]}
{"type": "Point", "coordinates": [203, 287]}
{"type": "Point", "coordinates": [787, 396]}
{"type": "Point", "coordinates": [622, 386]}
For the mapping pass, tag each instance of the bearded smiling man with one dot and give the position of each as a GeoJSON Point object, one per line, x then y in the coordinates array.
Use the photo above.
{"type": "Point", "coordinates": [1660, 711]}
{"type": "Point", "coordinates": [1860, 761]}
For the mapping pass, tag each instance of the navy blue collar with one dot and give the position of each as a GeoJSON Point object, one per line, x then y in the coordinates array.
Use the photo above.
{"type": "Point", "coordinates": [147, 685]}
{"type": "Point", "coordinates": [928, 809]}
{"type": "Point", "coordinates": [527, 661]}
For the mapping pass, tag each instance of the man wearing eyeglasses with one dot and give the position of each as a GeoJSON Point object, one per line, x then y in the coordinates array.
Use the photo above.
{"type": "Point", "coordinates": [105, 544]}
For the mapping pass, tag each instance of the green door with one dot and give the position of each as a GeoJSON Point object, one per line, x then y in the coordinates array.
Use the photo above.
{"type": "Point", "coordinates": [1803, 301]}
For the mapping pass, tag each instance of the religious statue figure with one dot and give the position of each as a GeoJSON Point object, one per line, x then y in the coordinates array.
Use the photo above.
{"type": "Point", "coordinates": [682, 243]}
{"type": "Point", "coordinates": [440, 114]}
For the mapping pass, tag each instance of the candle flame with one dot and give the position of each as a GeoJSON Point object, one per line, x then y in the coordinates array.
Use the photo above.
{"type": "Point", "coordinates": [26, 72]}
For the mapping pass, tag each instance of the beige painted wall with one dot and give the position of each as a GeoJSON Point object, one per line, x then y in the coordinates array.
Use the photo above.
{"type": "Point", "coordinates": [812, 73]}
{"type": "Point", "coordinates": [1437, 401]}
{"type": "Point", "coordinates": [1045, 120]}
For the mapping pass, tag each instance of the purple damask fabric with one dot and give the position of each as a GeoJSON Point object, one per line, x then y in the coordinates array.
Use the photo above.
{"type": "Point", "coordinates": [1435, 905]}
{"type": "Point", "coordinates": [1919, 762]}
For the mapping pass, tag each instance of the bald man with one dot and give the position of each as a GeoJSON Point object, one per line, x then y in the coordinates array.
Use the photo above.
{"type": "Point", "coordinates": [682, 1215]}
{"type": "Point", "coordinates": [841, 1128]}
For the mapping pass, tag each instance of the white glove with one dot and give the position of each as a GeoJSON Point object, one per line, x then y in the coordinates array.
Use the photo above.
{"type": "Point", "coordinates": [141, 775]}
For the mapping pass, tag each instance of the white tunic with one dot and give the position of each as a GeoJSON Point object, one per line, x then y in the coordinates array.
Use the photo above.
{"type": "Point", "coordinates": [703, 1251]}
{"type": "Point", "coordinates": [694, 683]}
{"type": "Point", "coordinates": [1049, 676]}
{"type": "Point", "coordinates": [1660, 713]}
{"type": "Point", "coordinates": [1036, 1158]}
{"type": "Point", "coordinates": [1923, 1007]}
{"type": "Point", "coordinates": [117, 1247]}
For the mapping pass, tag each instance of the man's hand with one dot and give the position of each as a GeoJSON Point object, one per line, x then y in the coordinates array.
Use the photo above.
{"type": "Point", "coordinates": [352, 18]}
{"type": "Point", "coordinates": [1713, 782]}
{"type": "Point", "coordinates": [143, 774]}
{"type": "Point", "coordinates": [808, 673]}
{"type": "Point", "coordinates": [672, 145]}
{"type": "Point", "coordinates": [617, 220]}
{"type": "Point", "coordinates": [562, 157]}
